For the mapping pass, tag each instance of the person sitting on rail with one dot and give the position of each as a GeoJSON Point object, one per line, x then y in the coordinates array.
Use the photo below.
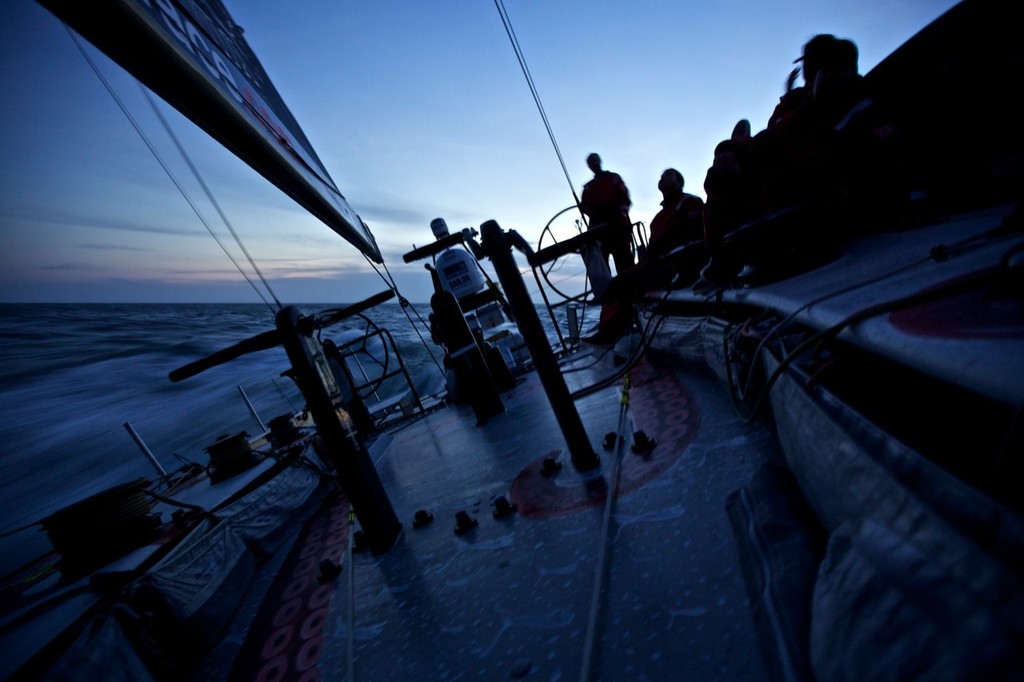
{"type": "Point", "coordinates": [827, 166]}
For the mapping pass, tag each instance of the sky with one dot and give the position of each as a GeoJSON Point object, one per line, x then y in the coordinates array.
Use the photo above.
{"type": "Point", "coordinates": [418, 110]}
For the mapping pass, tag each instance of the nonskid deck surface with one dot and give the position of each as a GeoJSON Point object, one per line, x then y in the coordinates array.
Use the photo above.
{"type": "Point", "coordinates": [513, 597]}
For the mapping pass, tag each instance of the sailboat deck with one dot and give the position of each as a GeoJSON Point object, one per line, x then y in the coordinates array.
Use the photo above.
{"type": "Point", "coordinates": [514, 596]}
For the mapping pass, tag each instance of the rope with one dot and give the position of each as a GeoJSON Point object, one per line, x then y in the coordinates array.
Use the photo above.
{"type": "Point", "coordinates": [602, 557]}
{"type": "Point", "coordinates": [936, 254]}
{"type": "Point", "coordinates": [647, 335]}
{"type": "Point", "coordinates": [825, 335]}
{"type": "Point", "coordinates": [201, 511]}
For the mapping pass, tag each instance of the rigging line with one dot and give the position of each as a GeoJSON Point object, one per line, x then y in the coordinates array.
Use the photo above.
{"type": "Point", "coordinates": [934, 252]}
{"type": "Point", "coordinates": [404, 303]}
{"type": "Point", "coordinates": [507, 22]}
{"type": "Point", "coordinates": [209, 193]}
{"type": "Point", "coordinates": [818, 339]}
{"type": "Point", "coordinates": [152, 149]}
{"type": "Point", "coordinates": [600, 572]}
{"type": "Point", "coordinates": [647, 334]}
{"type": "Point", "coordinates": [288, 400]}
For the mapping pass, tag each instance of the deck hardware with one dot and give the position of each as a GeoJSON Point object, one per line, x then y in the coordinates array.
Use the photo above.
{"type": "Point", "coordinates": [610, 439]}
{"type": "Point", "coordinates": [550, 466]}
{"type": "Point", "coordinates": [345, 449]}
{"type": "Point", "coordinates": [503, 508]}
{"type": "Point", "coordinates": [105, 526]}
{"type": "Point", "coordinates": [473, 375]}
{"type": "Point", "coordinates": [230, 455]}
{"type": "Point", "coordinates": [329, 571]}
{"type": "Point", "coordinates": [497, 245]}
{"type": "Point", "coordinates": [422, 518]}
{"type": "Point", "coordinates": [359, 541]}
{"type": "Point", "coordinates": [283, 431]}
{"type": "Point", "coordinates": [252, 410]}
{"type": "Point", "coordinates": [145, 450]}
{"type": "Point", "coordinates": [642, 444]}
{"type": "Point", "coordinates": [464, 523]}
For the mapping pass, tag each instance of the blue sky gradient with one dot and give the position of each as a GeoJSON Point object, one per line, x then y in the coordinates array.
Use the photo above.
{"type": "Point", "coordinates": [417, 109]}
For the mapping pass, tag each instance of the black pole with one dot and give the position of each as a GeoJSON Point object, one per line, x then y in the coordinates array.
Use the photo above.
{"type": "Point", "coordinates": [497, 246]}
{"type": "Point", "coordinates": [351, 461]}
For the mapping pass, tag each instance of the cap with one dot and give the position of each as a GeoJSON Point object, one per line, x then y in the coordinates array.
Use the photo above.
{"type": "Point", "coordinates": [825, 49]}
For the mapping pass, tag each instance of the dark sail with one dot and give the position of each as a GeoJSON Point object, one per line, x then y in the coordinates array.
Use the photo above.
{"type": "Point", "coordinates": [192, 54]}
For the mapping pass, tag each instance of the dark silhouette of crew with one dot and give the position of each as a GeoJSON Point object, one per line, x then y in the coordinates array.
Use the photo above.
{"type": "Point", "coordinates": [605, 202]}
{"type": "Point", "coordinates": [679, 223]}
{"type": "Point", "coordinates": [827, 166]}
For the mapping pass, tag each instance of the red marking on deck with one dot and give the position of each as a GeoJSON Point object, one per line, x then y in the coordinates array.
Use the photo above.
{"type": "Point", "coordinates": [286, 640]}
{"type": "Point", "coordinates": [661, 406]}
{"type": "Point", "coordinates": [981, 311]}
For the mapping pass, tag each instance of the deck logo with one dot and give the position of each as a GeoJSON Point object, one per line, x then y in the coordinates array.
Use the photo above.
{"type": "Point", "coordinates": [661, 406]}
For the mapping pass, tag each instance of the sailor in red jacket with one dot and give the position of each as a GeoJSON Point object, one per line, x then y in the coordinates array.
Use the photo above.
{"type": "Point", "coordinates": [680, 221]}
{"type": "Point", "coordinates": [605, 201]}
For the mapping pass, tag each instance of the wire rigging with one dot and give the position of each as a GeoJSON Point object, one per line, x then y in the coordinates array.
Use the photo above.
{"type": "Point", "coordinates": [405, 305]}
{"type": "Point", "coordinates": [533, 90]}
{"type": "Point", "coordinates": [160, 160]}
{"type": "Point", "coordinates": [209, 193]}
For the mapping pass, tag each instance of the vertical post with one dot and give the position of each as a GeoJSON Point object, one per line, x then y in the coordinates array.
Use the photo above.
{"type": "Point", "coordinates": [497, 247]}
{"type": "Point", "coordinates": [352, 463]}
{"type": "Point", "coordinates": [252, 410]}
{"type": "Point", "coordinates": [572, 319]}
{"type": "Point", "coordinates": [145, 449]}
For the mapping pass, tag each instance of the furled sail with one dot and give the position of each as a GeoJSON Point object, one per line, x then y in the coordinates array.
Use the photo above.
{"type": "Point", "coordinates": [192, 54]}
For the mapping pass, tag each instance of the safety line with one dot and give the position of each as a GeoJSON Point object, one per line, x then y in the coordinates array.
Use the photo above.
{"type": "Point", "coordinates": [602, 559]}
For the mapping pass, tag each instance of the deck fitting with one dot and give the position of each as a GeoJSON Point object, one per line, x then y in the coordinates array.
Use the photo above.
{"type": "Point", "coordinates": [642, 444]}
{"type": "Point", "coordinates": [503, 508]}
{"type": "Point", "coordinates": [464, 523]}
{"type": "Point", "coordinates": [422, 518]}
{"type": "Point", "coordinates": [550, 466]}
{"type": "Point", "coordinates": [329, 571]}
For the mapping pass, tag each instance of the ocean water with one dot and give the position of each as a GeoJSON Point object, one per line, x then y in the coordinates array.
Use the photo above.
{"type": "Point", "coordinates": [73, 375]}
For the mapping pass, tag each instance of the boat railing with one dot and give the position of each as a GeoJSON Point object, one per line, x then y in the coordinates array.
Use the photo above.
{"type": "Point", "coordinates": [172, 455]}
{"type": "Point", "coordinates": [552, 255]}
{"type": "Point", "coordinates": [541, 263]}
{"type": "Point", "coordinates": [373, 380]}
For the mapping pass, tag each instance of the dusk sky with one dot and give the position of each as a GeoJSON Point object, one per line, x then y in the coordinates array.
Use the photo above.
{"type": "Point", "coordinates": [417, 109]}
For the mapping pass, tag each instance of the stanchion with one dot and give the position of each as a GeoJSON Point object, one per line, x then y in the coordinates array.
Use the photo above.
{"type": "Point", "coordinates": [497, 245]}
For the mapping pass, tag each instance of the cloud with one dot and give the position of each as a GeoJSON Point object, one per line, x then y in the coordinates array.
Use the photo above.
{"type": "Point", "coordinates": [392, 214]}
{"type": "Point", "coordinates": [80, 220]}
{"type": "Point", "coordinates": [69, 267]}
{"type": "Point", "coordinates": [113, 247]}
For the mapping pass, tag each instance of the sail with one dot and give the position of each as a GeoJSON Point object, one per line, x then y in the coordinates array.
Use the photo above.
{"type": "Point", "coordinates": [193, 55]}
